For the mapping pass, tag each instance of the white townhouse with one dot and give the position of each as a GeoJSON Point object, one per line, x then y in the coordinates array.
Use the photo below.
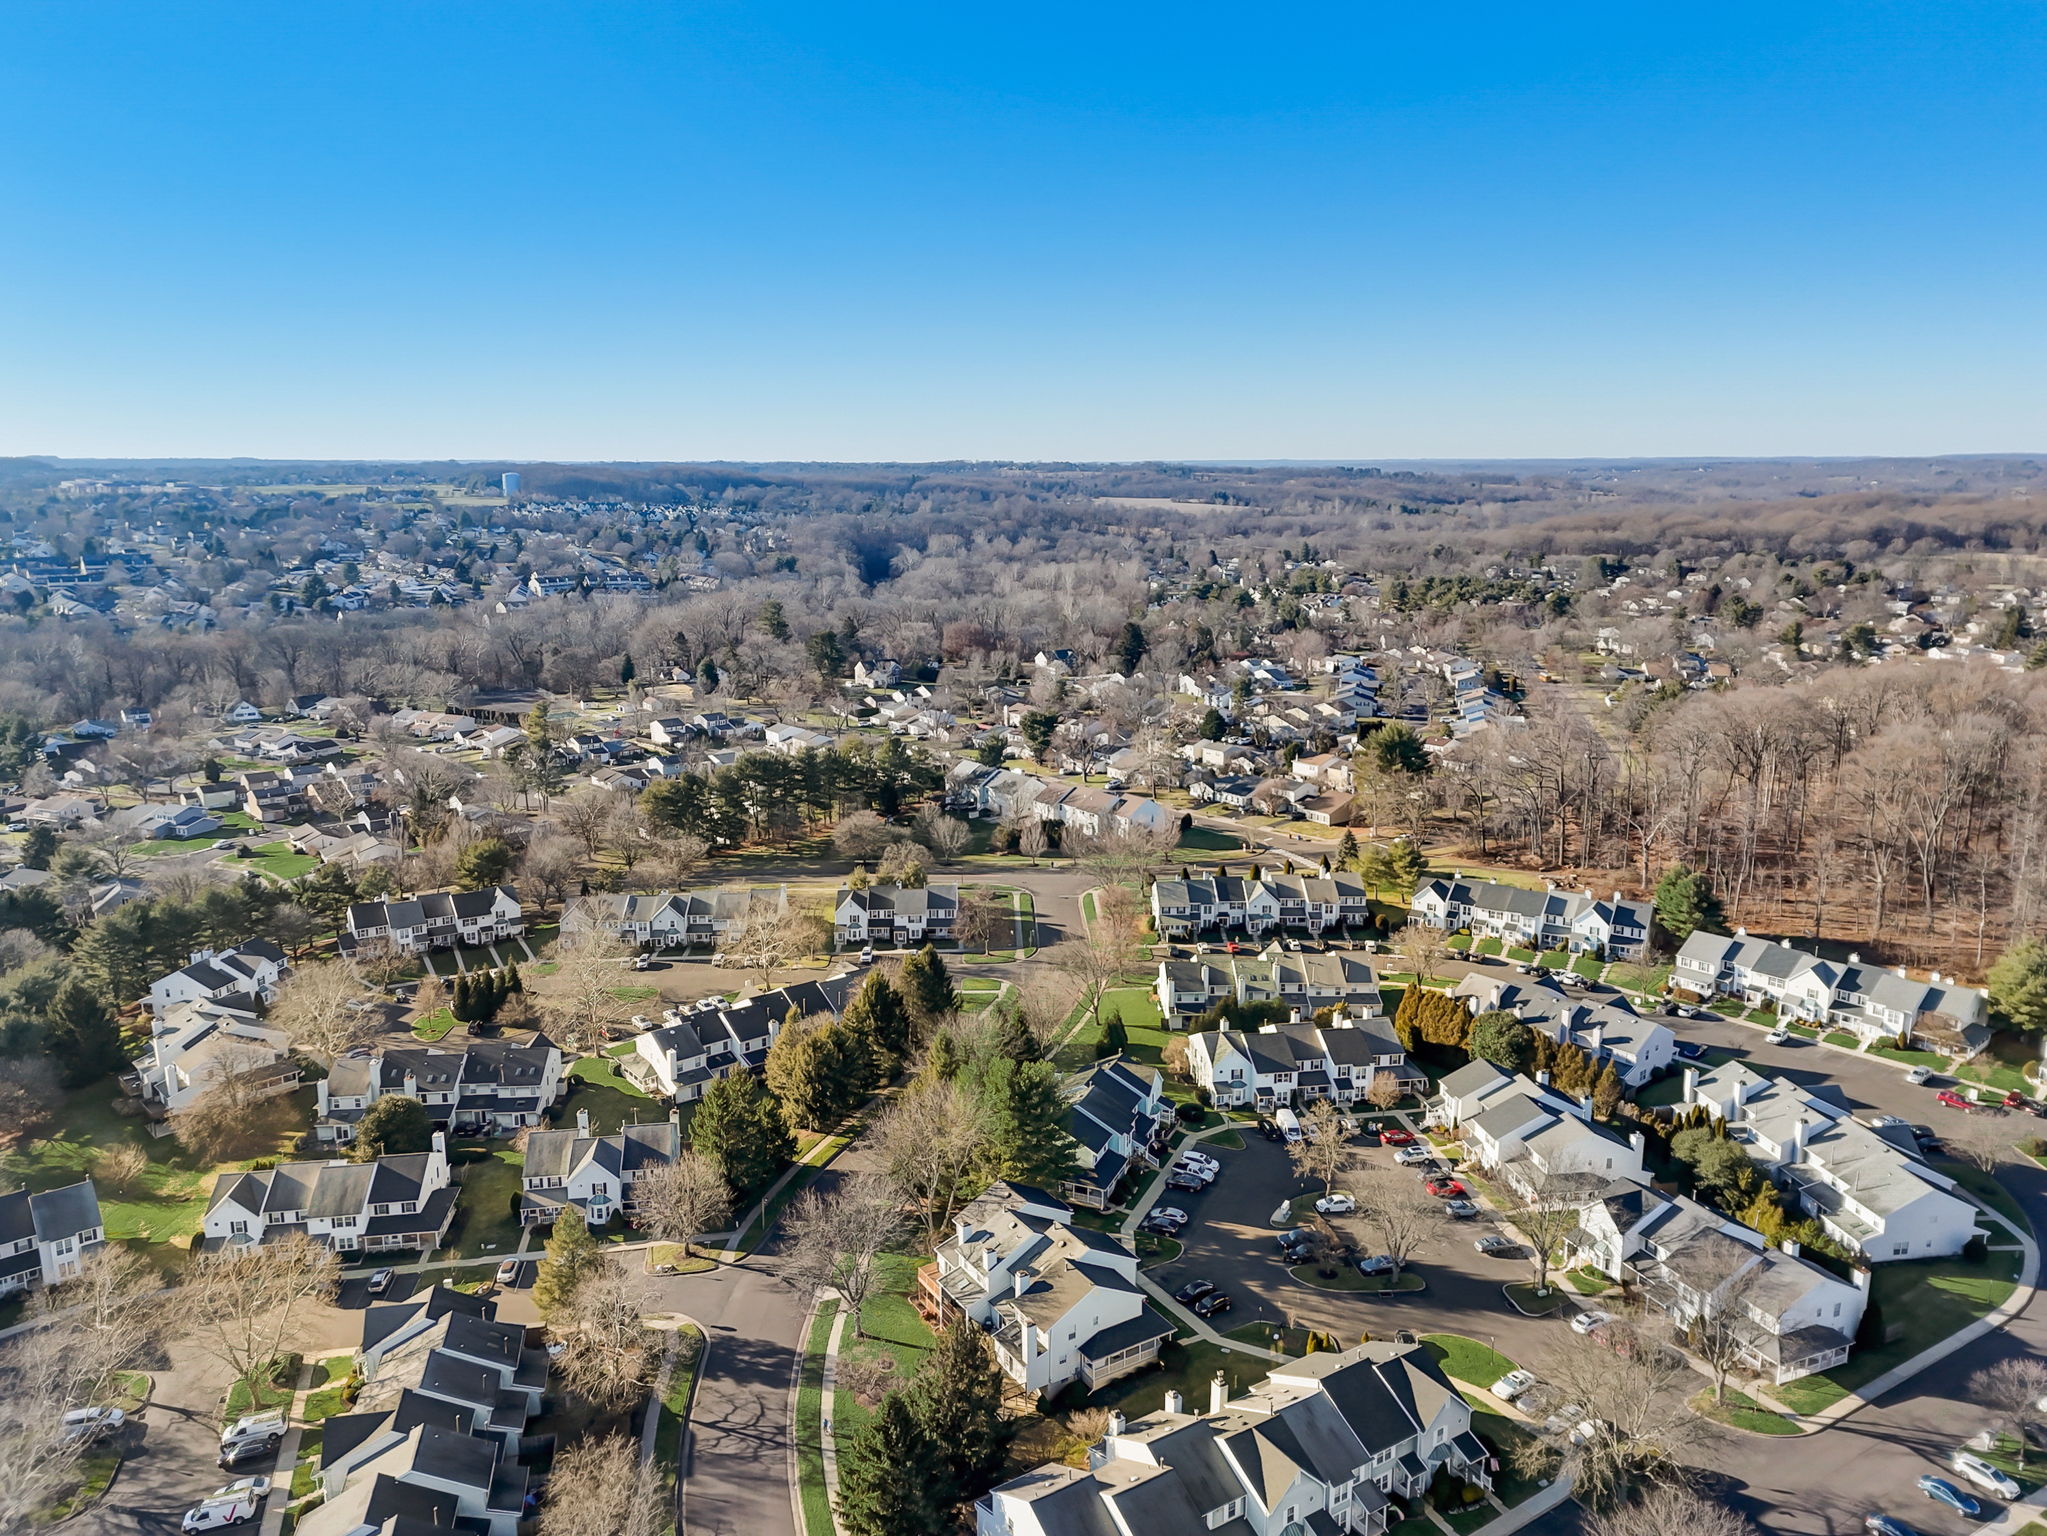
{"type": "Point", "coordinates": [1327, 1444]}
{"type": "Point", "coordinates": [1876, 1005]}
{"type": "Point", "coordinates": [196, 1046]}
{"type": "Point", "coordinates": [245, 976]}
{"type": "Point", "coordinates": [1540, 920]}
{"type": "Point", "coordinates": [899, 916]}
{"type": "Point", "coordinates": [1605, 1028]}
{"type": "Point", "coordinates": [1870, 1195]}
{"type": "Point", "coordinates": [45, 1237]}
{"type": "Point", "coordinates": [443, 1355]}
{"type": "Point", "coordinates": [595, 1174]}
{"type": "Point", "coordinates": [1306, 983]}
{"type": "Point", "coordinates": [438, 920]}
{"type": "Point", "coordinates": [695, 1046]}
{"type": "Point", "coordinates": [1120, 1119]}
{"type": "Point", "coordinates": [1546, 1145]}
{"type": "Point", "coordinates": [1791, 1317]}
{"type": "Point", "coordinates": [401, 1201]}
{"type": "Point", "coordinates": [1061, 1302]}
{"type": "Point", "coordinates": [416, 1469]}
{"type": "Point", "coordinates": [1285, 1063]}
{"type": "Point", "coordinates": [673, 919]}
{"type": "Point", "coordinates": [487, 1088]}
{"type": "Point", "coordinates": [1259, 904]}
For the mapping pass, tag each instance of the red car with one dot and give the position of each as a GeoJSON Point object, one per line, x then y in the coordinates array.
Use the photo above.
{"type": "Point", "coordinates": [1952, 1099]}
{"type": "Point", "coordinates": [1445, 1189]}
{"type": "Point", "coordinates": [1394, 1136]}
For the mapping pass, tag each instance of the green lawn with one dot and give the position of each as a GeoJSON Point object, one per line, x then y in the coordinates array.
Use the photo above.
{"type": "Point", "coordinates": [1738, 1410]}
{"type": "Point", "coordinates": [251, 1396]}
{"type": "Point", "coordinates": [817, 1504]}
{"type": "Point", "coordinates": [1985, 1187]}
{"type": "Point", "coordinates": [635, 994]}
{"type": "Point", "coordinates": [1925, 1300]}
{"type": "Point", "coordinates": [1588, 1282]}
{"type": "Point", "coordinates": [892, 1326]}
{"type": "Point", "coordinates": [1591, 967]}
{"type": "Point", "coordinates": [1135, 1005]}
{"type": "Point", "coordinates": [1464, 1359]}
{"type": "Point", "coordinates": [278, 861]}
{"type": "Point", "coordinates": [94, 1474]}
{"type": "Point", "coordinates": [1185, 1366]}
{"type": "Point", "coordinates": [1630, 977]}
{"type": "Point", "coordinates": [1930, 1059]}
{"type": "Point", "coordinates": [433, 1026]}
{"type": "Point", "coordinates": [1347, 1278]}
{"type": "Point", "coordinates": [1524, 1299]}
{"type": "Point", "coordinates": [675, 1406]}
{"type": "Point", "coordinates": [1210, 840]}
{"type": "Point", "coordinates": [596, 1084]}
{"type": "Point", "coordinates": [1555, 959]}
{"type": "Point", "coordinates": [2002, 1065]}
{"type": "Point", "coordinates": [484, 1226]}
{"type": "Point", "coordinates": [1841, 1038]}
{"type": "Point", "coordinates": [1510, 1486]}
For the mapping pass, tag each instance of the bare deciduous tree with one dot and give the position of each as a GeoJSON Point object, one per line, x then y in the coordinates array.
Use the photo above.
{"type": "Point", "coordinates": [29, 1096]}
{"type": "Point", "coordinates": [946, 836]}
{"type": "Point", "coordinates": [2012, 1389]}
{"type": "Point", "coordinates": [598, 1488]}
{"type": "Point", "coordinates": [930, 1139]}
{"type": "Point", "coordinates": [680, 1199]}
{"type": "Point", "coordinates": [1669, 1509]}
{"type": "Point", "coordinates": [1321, 1154]}
{"type": "Point", "coordinates": [243, 1303]}
{"type": "Point", "coordinates": [611, 1353]}
{"type": "Point", "coordinates": [1400, 1216]}
{"type": "Point", "coordinates": [1639, 1428]}
{"type": "Point", "coordinates": [312, 1008]}
{"type": "Point", "coordinates": [236, 1115]}
{"type": "Point", "coordinates": [1423, 948]}
{"type": "Point", "coordinates": [581, 1000]}
{"type": "Point", "coordinates": [835, 1238]}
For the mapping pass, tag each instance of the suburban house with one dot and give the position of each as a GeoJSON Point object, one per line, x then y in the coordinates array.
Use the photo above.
{"type": "Point", "coordinates": [168, 823]}
{"type": "Point", "coordinates": [1061, 1302]}
{"type": "Point", "coordinates": [1345, 979]}
{"type": "Point", "coordinates": [1540, 920]}
{"type": "Point", "coordinates": [246, 976]}
{"type": "Point", "coordinates": [1119, 1117]}
{"type": "Point", "coordinates": [1870, 1195]}
{"type": "Point", "coordinates": [593, 1173]}
{"type": "Point", "coordinates": [440, 1350]}
{"type": "Point", "coordinates": [1544, 1144]}
{"type": "Point", "coordinates": [1877, 1005]}
{"type": "Point", "coordinates": [1791, 1316]}
{"type": "Point", "coordinates": [487, 1088]}
{"type": "Point", "coordinates": [900, 917]}
{"type": "Point", "coordinates": [438, 920]}
{"type": "Point", "coordinates": [1282, 1064]}
{"type": "Point", "coordinates": [415, 1469]}
{"type": "Point", "coordinates": [1606, 1029]}
{"type": "Point", "coordinates": [1323, 1444]}
{"type": "Point", "coordinates": [1260, 903]}
{"type": "Point", "coordinates": [673, 919]}
{"type": "Point", "coordinates": [401, 1201]}
{"type": "Point", "coordinates": [196, 1046]}
{"type": "Point", "coordinates": [715, 1038]}
{"type": "Point", "coordinates": [45, 1237]}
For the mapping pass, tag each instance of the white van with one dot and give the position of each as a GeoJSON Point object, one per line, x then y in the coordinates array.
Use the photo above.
{"type": "Point", "coordinates": [1289, 1124]}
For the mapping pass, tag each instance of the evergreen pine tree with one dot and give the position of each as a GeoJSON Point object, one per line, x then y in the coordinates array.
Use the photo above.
{"type": "Point", "coordinates": [889, 1476]}
{"type": "Point", "coordinates": [572, 1253]}
{"type": "Point", "coordinates": [878, 1019]}
{"type": "Point", "coordinates": [1028, 1141]}
{"type": "Point", "coordinates": [84, 1041]}
{"type": "Point", "coordinates": [739, 1125]}
{"type": "Point", "coordinates": [1115, 1038]}
{"type": "Point", "coordinates": [514, 982]}
{"type": "Point", "coordinates": [957, 1398]}
{"type": "Point", "coordinates": [458, 1000]}
{"type": "Point", "coordinates": [1408, 865]}
{"type": "Point", "coordinates": [490, 995]}
{"type": "Point", "coordinates": [928, 991]}
{"type": "Point", "coordinates": [1014, 1038]}
{"type": "Point", "coordinates": [1607, 1092]}
{"type": "Point", "coordinates": [945, 1058]}
{"type": "Point", "coordinates": [1685, 902]}
{"type": "Point", "coordinates": [1346, 850]}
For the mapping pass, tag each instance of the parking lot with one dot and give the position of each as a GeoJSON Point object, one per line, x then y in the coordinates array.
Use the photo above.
{"type": "Point", "coordinates": [1229, 1241]}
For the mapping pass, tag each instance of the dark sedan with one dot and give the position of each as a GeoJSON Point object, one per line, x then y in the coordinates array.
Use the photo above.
{"type": "Point", "coordinates": [1193, 1291]}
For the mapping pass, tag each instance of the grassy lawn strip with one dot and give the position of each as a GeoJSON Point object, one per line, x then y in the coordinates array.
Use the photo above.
{"type": "Point", "coordinates": [671, 1259]}
{"type": "Point", "coordinates": [1504, 1435]}
{"type": "Point", "coordinates": [1740, 1411]}
{"type": "Point", "coordinates": [1985, 1187]}
{"type": "Point", "coordinates": [96, 1471]}
{"type": "Point", "coordinates": [252, 1395]}
{"type": "Point", "coordinates": [433, 1026]}
{"type": "Point", "coordinates": [1924, 1300]}
{"type": "Point", "coordinates": [817, 1505]}
{"type": "Point", "coordinates": [279, 862]}
{"type": "Point", "coordinates": [1841, 1038]}
{"type": "Point", "coordinates": [1525, 1300]}
{"type": "Point", "coordinates": [484, 1225]}
{"type": "Point", "coordinates": [675, 1404]}
{"type": "Point", "coordinates": [1186, 1366]}
{"type": "Point", "coordinates": [1348, 1279]}
{"type": "Point", "coordinates": [1464, 1359]}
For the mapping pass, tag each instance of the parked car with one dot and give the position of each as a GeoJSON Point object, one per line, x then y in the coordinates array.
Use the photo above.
{"type": "Point", "coordinates": [1376, 1264]}
{"type": "Point", "coordinates": [1194, 1157]}
{"type": "Point", "coordinates": [1394, 1136]}
{"type": "Point", "coordinates": [1167, 1213]}
{"type": "Point", "coordinates": [1885, 1122]}
{"type": "Point", "coordinates": [1407, 1157]}
{"type": "Point", "coordinates": [1295, 1243]}
{"type": "Point", "coordinates": [1193, 1291]}
{"type": "Point", "coordinates": [1777, 1037]}
{"type": "Point", "coordinates": [1495, 1243]}
{"type": "Point", "coordinates": [1885, 1525]}
{"type": "Point", "coordinates": [1690, 1050]}
{"type": "Point", "coordinates": [1590, 1319]}
{"type": "Point", "coordinates": [1269, 1131]}
{"type": "Point", "coordinates": [92, 1423]}
{"type": "Point", "coordinates": [508, 1272]}
{"type": "Point", "coordinates": [268, 1423]}
{"type": "Point", "coordinates": [1941, 1491]}
{"type": "Point", "coordinates": [1563, 1419]}
{"type": "Point", "coordinates": [1212, 1305]}
{"type": "Point", "coordinates": [1984, 1475]}
{"type": "Point", "coordinates": [1186, 1184]}
{"type": "Point", "coordinates": [1512, 1385]}
{"type": "Point", "coordinates": [380, 1282]}
{"type": "Point", "coordinates": [643, 962]}
{"type": "Point", "coordinates": [1337, 1204]}
{"type": "Point", "coordinates": [1952, 1100]}
{"type": "Point", "coordinates": [1919, 1075]}
{"type": "Point", "coordinates": [215, 1514]}
{"type": "Point", "coordinates": [1460, 1209]}
{"type": "Point", "coordinates": [1446, 1189]}
{"type": "Point", "coordinates": [249, 1451]}
{"type": "Point", "coordinates": [1162, 1226]}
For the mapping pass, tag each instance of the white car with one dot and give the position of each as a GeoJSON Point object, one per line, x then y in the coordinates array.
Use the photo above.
{"type": "Point", "coordinates": [256, 1487]}
{"type": "Point", "coordinates": [1589, 1319]}
{"type": "Point", "coordinates": [1194, 1171]}
{"type": "Point", "coordinates": [1512, 1385]}
{"type": "Point", "coordinates": [1919, 1076]}
{"type": "Point", "coordinates": [1777, 1037]}
{"type": "Point", "coordinates": [91, 1423]}
{"type": "Point", "coordinates": [1984, 1475]}
{"type": "Point", "coordinates": [1193, 1159]}
{"type": "Point", "coordinates": [1338, 1204]}
{"type": "Point", "coordinates": [1168, 1213]}
{"type": "Point", "coordinates": [1418, 1153]}
{"type": "Point", "coordinates": [216, 1513]}
{"type": "Point", "coordinates": [251, 1425]}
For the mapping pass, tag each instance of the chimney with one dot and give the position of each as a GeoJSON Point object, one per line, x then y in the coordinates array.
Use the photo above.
{"type": "Point", "coordinates": [1618, 897]}
{"type": "Point", "coordinates": [1854, 958]}
{"type": "Point", "coordinates": [1797, 1139]}
{"type": "Point", "coordinates": [440, 1144]}
{"type": "Point", "coordinates": [1585, 1107]}
{"type": "Point", "coordinates": [1218, 1393]}
{"type": "Point", "coordinates": [1542, 1079]}
{"type": "Point", "coordinates": [1741, 933]}
{"type": "Point", "coordinates": [582, 1122]}
{"type": "Point", "coordinates": [1635, 1140]}
{"type": "Point", "coordinates": [1791, 1246]}
{"type": "Point", "coordinates": [1116, 1421]}
{"type": "Point", "coordinates": [1860, 1275]}
{"type": "Point", "coordinates": [1021, 1280]}
{"type": "Point", "coordinates": [1691, 1083]}
{"type": "Point", "coordinates": [1783, 943]}
{"type": "Point", "coordinates": [675, 1118]}
{"type": "Point", "coordinates": [1175, 1403]}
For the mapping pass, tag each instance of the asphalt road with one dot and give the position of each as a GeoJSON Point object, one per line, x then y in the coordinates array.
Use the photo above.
{"type": "Point", "coordinates": [171, 1452]}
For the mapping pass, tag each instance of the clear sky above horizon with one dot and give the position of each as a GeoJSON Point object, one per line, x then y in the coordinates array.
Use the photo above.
{"type": "Point", "coordinates": [676, 231]}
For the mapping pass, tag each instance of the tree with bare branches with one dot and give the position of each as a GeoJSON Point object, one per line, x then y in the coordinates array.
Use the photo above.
{"type": "Point", "coordinates": [611, 1354]}
{"type": "Point", "coordinates": [1399, 1214]}
{"type": "Point", "coordinates": [313, 1009]}
{"type": "Point", "coordinates": [1321, 1154]}
{"type": "Point", "coordinates": [581, 1001]}
{"type": "Point", "coordinates": [238, 1114]}
{"type": "Point", "coordinates": [675, 1201]}
{"type": "Point", "coordinates": [599, 1488]}
{"type": "Point", "coordinates": [930, 1138]}
{"type": "Point", "coordinates": [1668, 1509]}
{"type": "Point", "coordinates": [834, 1239]}
{"type": "Point", "coordinates": [1639, 1429]}
{"type": "Point", "coordinates": [2012, 1389]}
{"type": "Point", "coordinates": [243, 1303]}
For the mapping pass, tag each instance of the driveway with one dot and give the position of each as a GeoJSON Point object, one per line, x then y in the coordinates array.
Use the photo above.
{"type": "Point", "coordinates": [171, 1453]}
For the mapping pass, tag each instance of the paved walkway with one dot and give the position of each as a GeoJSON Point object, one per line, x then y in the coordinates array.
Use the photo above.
{"type": "Point", "coordinates": [828, 1439]}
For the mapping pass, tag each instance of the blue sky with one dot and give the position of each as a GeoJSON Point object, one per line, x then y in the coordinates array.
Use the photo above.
{"type": "Point", "coordinates": [681, 230]}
